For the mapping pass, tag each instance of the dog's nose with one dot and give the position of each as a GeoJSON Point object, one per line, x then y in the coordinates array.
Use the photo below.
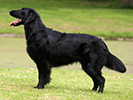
{"type": "Point", "coordinates": [10, 11]}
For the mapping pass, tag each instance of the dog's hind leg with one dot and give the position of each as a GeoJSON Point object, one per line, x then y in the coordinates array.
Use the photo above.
{"type": "Point", "coordinates": [97, 78]}
{"type": "Point", "coordinates": [44, 75]}
{"type": "Point", "coordinates": [95, 84]}
{"type": "Point", "coordinates": [92, 66]}
{"type": "Point", "coordinates": [101, 85]}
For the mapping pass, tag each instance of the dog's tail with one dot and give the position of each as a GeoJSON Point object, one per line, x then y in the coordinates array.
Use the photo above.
{"type": "Point", "coordinates": [115, 64]}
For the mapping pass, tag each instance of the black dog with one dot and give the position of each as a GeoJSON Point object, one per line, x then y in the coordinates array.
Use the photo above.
{"type": "Point", "coordinates": [50, 48]}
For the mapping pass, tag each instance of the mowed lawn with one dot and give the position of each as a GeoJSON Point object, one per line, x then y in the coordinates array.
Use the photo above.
{"type": "Point", "coordinates": [18, 76]}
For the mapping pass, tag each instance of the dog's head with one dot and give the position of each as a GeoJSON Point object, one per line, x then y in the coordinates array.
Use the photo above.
{"type": "Point", "coordinates": [24, 15]}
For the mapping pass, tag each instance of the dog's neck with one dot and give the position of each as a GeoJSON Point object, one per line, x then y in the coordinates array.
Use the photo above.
{"type": "Point", "coordinates": [33, 27]}
{"type": "Point", "coordinates": [37, 24]}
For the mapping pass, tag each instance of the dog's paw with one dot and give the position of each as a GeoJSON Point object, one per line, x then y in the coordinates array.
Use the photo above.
{"type": "Point", "coordinates": [36, 87]}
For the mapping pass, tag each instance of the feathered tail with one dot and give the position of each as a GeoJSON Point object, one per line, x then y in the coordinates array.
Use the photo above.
{"type": "Point", "coordinates": [115, 64]}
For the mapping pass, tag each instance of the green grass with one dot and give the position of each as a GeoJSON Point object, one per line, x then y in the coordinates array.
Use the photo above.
{"type": "Point", "coordinates": [18, 76]}
{"type": "Point", "coordinates": [72, 16]}
{"type": "Point", "coordinates": [18, 83]}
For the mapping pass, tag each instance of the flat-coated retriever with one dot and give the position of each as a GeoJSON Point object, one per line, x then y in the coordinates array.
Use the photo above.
{"type": "Point", "coordinates": [49, 48]}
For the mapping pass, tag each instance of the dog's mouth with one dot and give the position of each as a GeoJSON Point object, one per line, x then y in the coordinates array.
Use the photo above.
{"type": "Point", "coordinates": [16, 22]}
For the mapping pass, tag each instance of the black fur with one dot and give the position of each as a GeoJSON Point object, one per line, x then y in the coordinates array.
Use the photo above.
{"type": "Point", "coordinates": [49, 48]}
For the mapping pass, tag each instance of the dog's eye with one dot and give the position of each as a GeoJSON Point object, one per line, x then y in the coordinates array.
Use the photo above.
{"type": "Point", "coordinates": [22, 13]}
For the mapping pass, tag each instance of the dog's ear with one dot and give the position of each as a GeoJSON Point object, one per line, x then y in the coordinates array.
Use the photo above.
{"type": "Point", "coordinates": [31, 16]}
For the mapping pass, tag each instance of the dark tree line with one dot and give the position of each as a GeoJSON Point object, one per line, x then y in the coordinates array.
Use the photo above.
{"type": "Point", "coordinates": [122, 3]}
{"type": "Point", "coordinates": [126, 3]}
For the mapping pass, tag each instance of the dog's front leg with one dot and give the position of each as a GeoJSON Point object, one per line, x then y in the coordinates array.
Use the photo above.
{"type": "Point", "coordinates": [44, 75]}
